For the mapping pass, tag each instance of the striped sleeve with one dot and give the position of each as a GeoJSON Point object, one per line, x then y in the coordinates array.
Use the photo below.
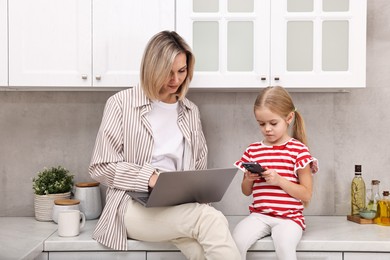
{"type": "Point", "coordinates": [108, 164]}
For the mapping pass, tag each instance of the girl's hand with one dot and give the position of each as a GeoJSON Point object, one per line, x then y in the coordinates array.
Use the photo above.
{"type": "Point", "coordinates": [250, 177]}
{"type": "Point", "coordinates": [272, 177]}
{"type": "Point", "coordinates": [248, 181]}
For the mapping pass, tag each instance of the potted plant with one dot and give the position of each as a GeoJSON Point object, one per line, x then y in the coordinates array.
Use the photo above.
{"type": "Point", "coordinates": [50, 184]}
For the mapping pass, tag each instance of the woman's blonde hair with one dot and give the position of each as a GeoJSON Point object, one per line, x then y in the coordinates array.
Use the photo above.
{"type": "Point", "coordinates": [157, 61]}
{"type": "Point", "coordinates": [279, 101]}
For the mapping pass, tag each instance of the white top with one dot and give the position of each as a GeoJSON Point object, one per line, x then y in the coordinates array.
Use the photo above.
{"type": "Point", "coordinates": [168, 139]}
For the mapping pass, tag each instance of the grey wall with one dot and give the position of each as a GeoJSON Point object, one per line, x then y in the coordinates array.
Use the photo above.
{"type": "Point", "coordinates": [39, 129]}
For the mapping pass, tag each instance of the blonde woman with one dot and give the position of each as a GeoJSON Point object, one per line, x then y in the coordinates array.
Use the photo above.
{"type": "Point", "coordinates": [147, 129]}
{"type": "Point", "coordinates": [280, 192]}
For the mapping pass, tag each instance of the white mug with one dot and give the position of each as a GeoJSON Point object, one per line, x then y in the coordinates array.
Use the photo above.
{"type": "Point", "coordinates": [60, 208]}
{"type": "Point", "coordinates": [69, 224]}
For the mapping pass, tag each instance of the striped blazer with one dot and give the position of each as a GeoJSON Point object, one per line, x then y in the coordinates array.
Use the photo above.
{"type": "Point", "coordinates": [122, 155]}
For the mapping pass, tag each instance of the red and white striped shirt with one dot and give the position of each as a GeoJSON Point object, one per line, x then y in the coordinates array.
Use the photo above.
{"type": "Point", "coordinates": [286, 159]}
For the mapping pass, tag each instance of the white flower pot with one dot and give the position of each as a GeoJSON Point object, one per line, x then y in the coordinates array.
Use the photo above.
{"type": "Point", "coordinates": [43, 205]}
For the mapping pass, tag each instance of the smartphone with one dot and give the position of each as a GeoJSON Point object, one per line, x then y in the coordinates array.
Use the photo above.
{"type": "Point", "coordinates": [253, 167]}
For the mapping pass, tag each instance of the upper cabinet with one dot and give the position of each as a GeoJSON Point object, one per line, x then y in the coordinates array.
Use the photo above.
{"type": "Point", "coordinates": [82, 43]}
{"type": "Point", "coordinates": [121, 30]}
{"type": "Point", "coordinates": [239, 44]}
{"type": "Point", "coordinates": [298, 44]}
{"type": "Point", "coordinates": [50, 43]}
{"type": "Point", "coordinates": [3, 44]}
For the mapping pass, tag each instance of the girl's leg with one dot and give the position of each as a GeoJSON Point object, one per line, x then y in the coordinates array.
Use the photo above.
{"type": "Point", "coordinates": [248, 231]}
{"type": "Point", "coordinates": [286, 235]}
{"type": "Point", "coordinates": [201, 222]}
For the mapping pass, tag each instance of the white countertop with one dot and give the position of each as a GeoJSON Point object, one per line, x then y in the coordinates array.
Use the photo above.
{"type": "Point", "coordinates": [323, 233]}
{"type": "Point", "coordinates": [25, 238]}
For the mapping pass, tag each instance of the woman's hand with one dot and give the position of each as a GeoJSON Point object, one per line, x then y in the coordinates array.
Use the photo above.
{"type": "Point", "coordinates": [153, 179]}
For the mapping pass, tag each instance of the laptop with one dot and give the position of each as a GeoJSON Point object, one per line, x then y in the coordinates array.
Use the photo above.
{"type": "Point", "coordinates": [174, 188]}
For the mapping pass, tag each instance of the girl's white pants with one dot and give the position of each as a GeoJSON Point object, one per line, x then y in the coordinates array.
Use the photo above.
{"type": "Point", "coordinates": [285, 234]}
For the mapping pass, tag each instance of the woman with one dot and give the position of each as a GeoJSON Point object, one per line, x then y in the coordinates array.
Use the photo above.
{"type": "Point", "coordinates": [150, 128]}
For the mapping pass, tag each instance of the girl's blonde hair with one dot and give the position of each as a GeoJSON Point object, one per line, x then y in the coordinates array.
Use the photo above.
{"type": "Point", "coordinates": [157, 61]}
{"type": "Point", "coordinates": [279, 101]}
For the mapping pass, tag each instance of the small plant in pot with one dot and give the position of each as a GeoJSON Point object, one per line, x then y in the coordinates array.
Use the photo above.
{"type": "Point", "coordinates": [49, 185]}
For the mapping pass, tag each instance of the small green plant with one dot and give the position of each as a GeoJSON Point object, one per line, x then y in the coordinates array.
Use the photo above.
{"type": "Point", "coordinates": [53, 180]}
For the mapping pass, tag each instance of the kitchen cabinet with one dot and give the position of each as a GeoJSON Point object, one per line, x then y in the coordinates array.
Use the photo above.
{"type": "Point", "coordinates": [97, 255]}
{"type": "Point", "coordinates": [42, 256]}
{"type": "Point", "coordinates": [121, 30]}
{"type": "Point", "coordinates": [81, 43]}
{"type": "Point", "coordinates": [300, 256]}
{"type": "Point", "coordinates": [246, 44]}
{"type": "Point", "coordinates": [253, 256]}
{"type": "Point", "coordinates": [165, 256]}
{"type": "Point", "coordinates": [50, 43]}
{"type": "Point", "coordinates": [365, 256]}
{"type": "Point", "coordinates": [3, 44]}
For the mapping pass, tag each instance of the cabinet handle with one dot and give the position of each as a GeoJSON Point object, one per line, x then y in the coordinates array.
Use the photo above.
{"type": "Point", "coordinates": [98, 77]}
{"type": "Point", "coordinates": [263, 78]}
{"type": "Point", "coordinates": [84, 76]}
{"type": "Point", "coordinates": [276, 78]}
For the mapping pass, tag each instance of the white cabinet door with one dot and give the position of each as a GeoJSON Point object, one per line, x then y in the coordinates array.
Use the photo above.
{"type": "Point", "coordinates": [121, 30]}
{"type": "Point", "coordinates": [318, 44]}
{"type": "Point", "coordinates": [300, 256]}
{"type": "Point", "coordinates": [50, 43]}
{"type": "Point", "coordinates": [42, 256]}
{"type": "Point", "coordinates": [230, 42]}
{"type": "Point", "coordinates": [97, 255]}
{"type": "Point", "coordinates": [296, 44]}
{"type": "Point", "coordinates": [82, 43]}
{"type": "Point", "coordinates": [165, 256]}
{"type": "Point", "coordinates": [3, 44]}
{"type": "Point", "coordinates": [365, 256]}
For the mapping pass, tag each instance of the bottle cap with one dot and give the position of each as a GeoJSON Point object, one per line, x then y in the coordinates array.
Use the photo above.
{"type": "Point", "coordinates": [358, 168]}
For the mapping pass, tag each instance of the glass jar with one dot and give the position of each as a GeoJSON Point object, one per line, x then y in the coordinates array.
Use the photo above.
{"type": "Point", "coordinates": [62, 205]}
{"type": "Point", "coordinates": [375, 196]}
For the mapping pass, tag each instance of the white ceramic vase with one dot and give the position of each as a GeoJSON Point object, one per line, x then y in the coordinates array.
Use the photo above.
{"type": "Point", "coordinates": [90, 201]}
{"type": "Point", "coordinates": [43, 205]}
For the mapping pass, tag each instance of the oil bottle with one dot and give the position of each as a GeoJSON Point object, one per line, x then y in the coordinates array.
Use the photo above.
{"type": "Point", "coordinates": [358, 192]}
{"type": "Point", "coordinates": [383, 213]}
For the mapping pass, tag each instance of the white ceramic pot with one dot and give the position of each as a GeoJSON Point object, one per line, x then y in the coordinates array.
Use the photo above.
{"type": "Point", "coordinates": [64, 205]}
{"type": "Point", "coordinates": [90, 200]}
{"type": "Point", "coordinates": [43, 205]}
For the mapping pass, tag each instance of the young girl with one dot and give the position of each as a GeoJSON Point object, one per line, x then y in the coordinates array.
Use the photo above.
{"type": "Point", "coordinates": [282, 190]}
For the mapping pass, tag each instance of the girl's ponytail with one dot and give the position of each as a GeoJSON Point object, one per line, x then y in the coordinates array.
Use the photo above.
{"type": "Point", "coordinates": [298, 129]}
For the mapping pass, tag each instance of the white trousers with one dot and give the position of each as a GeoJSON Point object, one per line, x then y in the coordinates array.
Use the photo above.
{"type": "Point", "coordinates": [198, 230]}
{"type": "Point", "coordinates": [286, 234]}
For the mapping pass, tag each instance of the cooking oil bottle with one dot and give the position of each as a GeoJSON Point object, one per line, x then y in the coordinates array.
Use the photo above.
{"type": "Point", "coordinates": [358, 192]}
{"type": "Point", "coordinates": [383, 213]}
